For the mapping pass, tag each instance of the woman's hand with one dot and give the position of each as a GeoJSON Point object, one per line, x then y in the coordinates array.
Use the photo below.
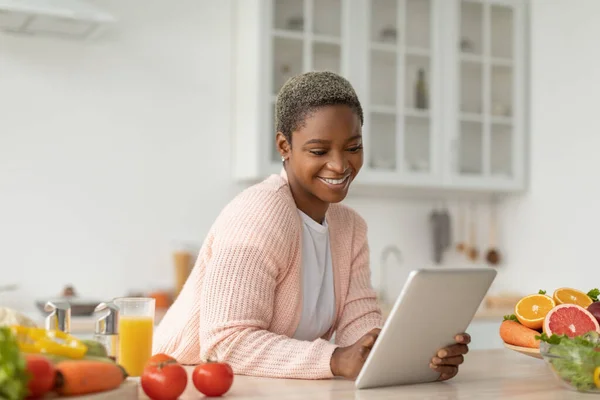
{"type": "Point", "coordinates": [348, 361]}
{"type": "Point", "coordinates": [448, 359]}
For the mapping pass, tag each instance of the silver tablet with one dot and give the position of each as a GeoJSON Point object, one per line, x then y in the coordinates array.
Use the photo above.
{"type": "Point", "coordinates": [434, 305]}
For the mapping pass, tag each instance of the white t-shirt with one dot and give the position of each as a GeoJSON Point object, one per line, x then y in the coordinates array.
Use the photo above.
{"type": "Point", "coordinates": [318, 296]}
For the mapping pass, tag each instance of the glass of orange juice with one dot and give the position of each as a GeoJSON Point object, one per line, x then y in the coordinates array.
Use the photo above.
{"type": "Point", "coordinates": [136, 328]}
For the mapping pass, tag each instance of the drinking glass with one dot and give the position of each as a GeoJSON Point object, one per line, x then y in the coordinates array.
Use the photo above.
{"type": "Point", "coordinates": [136, 328]}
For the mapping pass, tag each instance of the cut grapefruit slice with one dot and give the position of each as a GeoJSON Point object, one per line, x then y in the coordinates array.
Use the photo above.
{"type": "Point", "coordinates": [571, 296]}
{"type": "Point", "coordinates": [571, 320]}
{"type": "Point", "coordinates": [531, 310]}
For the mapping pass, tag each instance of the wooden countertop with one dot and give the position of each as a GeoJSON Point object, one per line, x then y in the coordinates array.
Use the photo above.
{"type": "Point", "coordinates": [486, 374]}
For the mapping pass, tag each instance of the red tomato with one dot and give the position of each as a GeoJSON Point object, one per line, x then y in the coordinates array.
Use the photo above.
{"type": "Point", "coordinates": [164, 380]}
{"type": "Point", "coordinates": [160, 358]}
{"type": "Point", "coordinates": [42, 375]}
{"type": "Point", "coordinates": [213, 378]}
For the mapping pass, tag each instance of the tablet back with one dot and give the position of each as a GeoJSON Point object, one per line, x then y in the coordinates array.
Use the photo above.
{"type": "Point", "coordinates": [434, 305]}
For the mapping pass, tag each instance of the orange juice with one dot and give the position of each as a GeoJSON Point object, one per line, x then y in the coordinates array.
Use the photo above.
{"type": "Point", "coordinates": [135, 343]}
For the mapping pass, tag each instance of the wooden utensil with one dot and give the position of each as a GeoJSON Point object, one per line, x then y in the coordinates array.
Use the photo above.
{"type": "Point", "coordinates": [437, 239]}
{"type": "Point", "coordinates": [473, 252]}
{"type": "Point", "coordinates": [461, 245]}
{"type": "Point", "coordinates": [493, 254]}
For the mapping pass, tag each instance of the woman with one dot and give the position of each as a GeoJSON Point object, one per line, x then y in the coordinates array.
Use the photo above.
{"type": "Point", "coordinates": [285, 266]}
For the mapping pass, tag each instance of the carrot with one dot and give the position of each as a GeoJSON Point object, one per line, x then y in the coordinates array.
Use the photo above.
{"type": "Point", "coordinates": [79, 377]}
{"type": "Point", "coordinates": [516, 334]}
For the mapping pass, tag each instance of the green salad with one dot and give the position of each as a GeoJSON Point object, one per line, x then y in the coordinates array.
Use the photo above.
{"type": "Point", "coordinates": [13, 373]}
{"type": "Point", "coordinates": [573, 359]}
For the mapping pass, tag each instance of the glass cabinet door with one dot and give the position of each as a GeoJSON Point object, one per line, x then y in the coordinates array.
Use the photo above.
{"type": "Point", "coordinates": [486, 62]}
{"type": "Point", "coordinates": [306, 35]}
{"type": "Point", "coordinates": [401, 87]}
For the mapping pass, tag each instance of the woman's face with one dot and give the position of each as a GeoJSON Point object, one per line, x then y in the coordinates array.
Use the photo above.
{"type": "Point", "coordinates": [326, 153]}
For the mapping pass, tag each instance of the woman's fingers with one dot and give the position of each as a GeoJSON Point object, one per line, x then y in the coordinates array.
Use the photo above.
{"type": "Point", "coordinates": [444, 369]}
{"type": "Point", "coordinates": [446, 376]}
{"type": "Point", "coordinates": [456, 360]}
{"type": "Point", "coordinates": [463, 338]}
{"type": "Point", "coordinates": [453, 350]}
{"type": "Point", "coordinates": [448, 359]}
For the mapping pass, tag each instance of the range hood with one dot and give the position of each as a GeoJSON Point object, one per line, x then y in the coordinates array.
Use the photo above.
{"type": "Point", "coordinates": [68, 18]}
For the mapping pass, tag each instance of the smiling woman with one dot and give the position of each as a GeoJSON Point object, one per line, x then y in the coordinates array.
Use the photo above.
{"type": "Point", "coordinates": [285, 265]}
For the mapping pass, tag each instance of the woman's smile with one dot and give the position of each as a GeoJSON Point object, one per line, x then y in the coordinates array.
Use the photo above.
{"type": "Point", "coordinates": [337, 183]}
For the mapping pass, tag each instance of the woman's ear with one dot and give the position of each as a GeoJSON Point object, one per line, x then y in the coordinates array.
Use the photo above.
{"type": "Point", "coordinates": [283, 146]}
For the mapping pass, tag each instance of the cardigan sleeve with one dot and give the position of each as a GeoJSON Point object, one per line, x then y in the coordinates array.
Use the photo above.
{"type": "Point", "coordinates": [361, 311]}
{"type": "Point", "coordinates": [238, 294]}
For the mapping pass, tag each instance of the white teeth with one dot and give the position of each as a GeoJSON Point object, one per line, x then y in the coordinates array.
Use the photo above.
{"type": "Point", "coordinates": [335, 181]}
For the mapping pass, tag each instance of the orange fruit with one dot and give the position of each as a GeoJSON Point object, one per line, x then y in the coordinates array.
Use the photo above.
{"type": "Point", "coordinates": [531, 310]}
{"type": "Point", "coordinates": [162, 300]}
{"type": "Point", "coordinates": [571, 320]}
{"type": "Point", "coordinates": [571, 296]}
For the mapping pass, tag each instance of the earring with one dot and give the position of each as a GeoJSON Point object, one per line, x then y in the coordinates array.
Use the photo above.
{"type": "Point", "coordinates": [282, 159]}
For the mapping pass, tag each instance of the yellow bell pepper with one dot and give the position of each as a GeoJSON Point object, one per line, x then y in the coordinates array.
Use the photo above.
{"type": "Point", "coordinates": [597, 377]}
{"type": "Point", "coordinates": [39, 340]}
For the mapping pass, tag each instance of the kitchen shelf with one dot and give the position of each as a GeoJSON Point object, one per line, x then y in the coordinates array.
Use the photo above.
{"type": "Point", "coordinates": [471, 117]}
{"type": "Point", "coordinates": [327, 39]}
{"type": "Point", "coordinates": [501, 62]}
{"type": "Point", "coordinates": [501, 120]}
{"type": "Point", "coordinates": [416, 51]}
{"type": "Point", "coordinates": [478, 59]}
{"type": "Point", "coordinates": [472, 58]}
{"type": "Point", "coordinates": [288, 34]}
{"type": "Point", "coordinates": [386, 47]}
{"type": "Point", "coordinates": [381, 109]}
{"type": "Point", "coordinates": [417, 113]}
{"type": "Point", "coordinates": [465, 60]}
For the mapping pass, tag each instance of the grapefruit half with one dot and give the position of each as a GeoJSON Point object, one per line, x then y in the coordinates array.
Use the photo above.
{"type": "Point", "coordinates": [571, 320]}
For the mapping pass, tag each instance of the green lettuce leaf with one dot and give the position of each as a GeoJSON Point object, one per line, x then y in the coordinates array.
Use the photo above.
{"type": "Point", "coordinates": [13, 372]}
{"type": "Point", "coordinates": [574, 359]}
{"type": "Point", "coordinates": [594, 293]}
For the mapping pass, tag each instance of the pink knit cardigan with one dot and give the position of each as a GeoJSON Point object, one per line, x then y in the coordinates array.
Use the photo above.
{"type": "Point", "coordinates": [242, 301]}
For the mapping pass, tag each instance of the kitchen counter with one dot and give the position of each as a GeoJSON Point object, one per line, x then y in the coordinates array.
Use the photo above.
{"type": "Point", "coordinates": [86, 325]}
{"type": "Point", "coordinates": [486, 374]}
{"type": "Point", "coordinates": [484, 313]}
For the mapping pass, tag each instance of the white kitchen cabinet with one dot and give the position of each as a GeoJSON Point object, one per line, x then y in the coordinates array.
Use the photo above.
{"type": "Point", "coordinates": [486, 113]}
{"type": "Point", "coordinates": [442, 84]}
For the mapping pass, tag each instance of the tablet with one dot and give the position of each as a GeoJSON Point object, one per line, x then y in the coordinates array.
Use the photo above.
{"type": "Point", "coordinates": [434, 305]}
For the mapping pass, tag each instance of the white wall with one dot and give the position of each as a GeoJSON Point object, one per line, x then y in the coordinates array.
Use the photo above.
{"type": "Point", "coordinates": [552, 232]}
{"type": "Point", "coordinates": [110, 151]}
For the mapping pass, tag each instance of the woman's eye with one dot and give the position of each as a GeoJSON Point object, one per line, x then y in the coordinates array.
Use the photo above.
{"type": "Point", "coordinates": [318, 152]}
{"type": "Point", "coordinates": [355, 149]}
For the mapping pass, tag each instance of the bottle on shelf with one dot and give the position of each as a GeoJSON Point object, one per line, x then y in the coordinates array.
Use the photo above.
{"type": "Point", "coordinates": [421, 91]}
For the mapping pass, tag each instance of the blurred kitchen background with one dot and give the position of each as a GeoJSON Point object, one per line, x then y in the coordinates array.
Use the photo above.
{"type": "Point", "coordinates": [125, 128]}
